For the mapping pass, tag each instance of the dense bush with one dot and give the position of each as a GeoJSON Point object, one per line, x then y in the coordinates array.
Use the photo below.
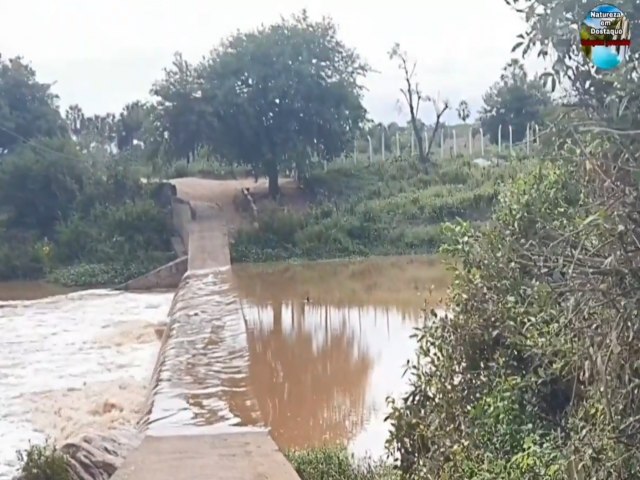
{"type": "Point", "coordinates": [534, 374]}
{"type": "Point", "coordinates": [39, 188]}
{"type": "Point", "coordinates": [70, 215]}
{"type": "Point", "coordinates": [20, 256]}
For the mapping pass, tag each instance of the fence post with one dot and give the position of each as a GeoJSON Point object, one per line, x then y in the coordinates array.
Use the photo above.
{"type": "Point", "coordinates": [397, 143]}
{"type": "Point", "coordinates": [355, 151]}
{"type": "Point", "coordinates": [455, 143]}
{"type": "Point", "coordinates": [481, 142]}
{"type": "Point", "coordinates": [537, 135]}
{"type": "Point", "coordinates": [382, 143]}
{"type": "Point", "coordinates": [510, 140]}
{"type": "Point", "coordinates": [370, 149]}
{"type": "Point", "coordinates": [500, 138]}
{"type": "Point", "coordinates": [470, 141]}
{"type": "Point", "coordinates": [426, 140]}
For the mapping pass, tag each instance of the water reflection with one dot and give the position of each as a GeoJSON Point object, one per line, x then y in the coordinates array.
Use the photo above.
{"type": "Point", "coordinates": [310, 383]}
{"type": "Point", "coordinates": [321, 374]}
{"type": "Point", "coordinates": [401, 283]}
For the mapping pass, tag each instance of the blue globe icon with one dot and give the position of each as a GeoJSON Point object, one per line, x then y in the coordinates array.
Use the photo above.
{"type": "Point", "coordinates": [605, 36]}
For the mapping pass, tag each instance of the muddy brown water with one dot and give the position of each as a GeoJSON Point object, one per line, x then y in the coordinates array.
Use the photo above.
{"type": "Point", "coordinates": [310, 351]}
{"type": "Point", "coordinates": [30, 290]}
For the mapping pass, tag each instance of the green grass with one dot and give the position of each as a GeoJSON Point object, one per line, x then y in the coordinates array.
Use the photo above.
{"type": "Point", "coordinates": [106, 274]}
{"type": "Point", "coordinates": [391, 208]}
{"type": "Point", "coordinates": [335, 463]}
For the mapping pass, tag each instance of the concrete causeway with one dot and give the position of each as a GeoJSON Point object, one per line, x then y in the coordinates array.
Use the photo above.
{"type": "Point", "coordinates": [225, 456]}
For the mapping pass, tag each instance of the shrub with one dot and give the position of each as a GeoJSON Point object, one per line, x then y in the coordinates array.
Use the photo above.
{"type": "Point", "coordinates": [43, 462]}
{"type": "Point", "coordinates": [533, 374]}
{"type": "Point", "coordinates": [107, 274]}
{"type": "Point", "coordinates": [39, 188]}
{"type": "Point", "coordinates": [20, 257]}
{"type": "Point", "coordinates": [122, 233]}
{"type": "Point", "coordinates": [336, 463]}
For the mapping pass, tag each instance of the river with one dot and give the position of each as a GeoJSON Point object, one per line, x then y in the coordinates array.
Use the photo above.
{"type": "Point", "coordinates": [310, 351]}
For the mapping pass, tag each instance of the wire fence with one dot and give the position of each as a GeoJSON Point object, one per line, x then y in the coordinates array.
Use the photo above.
{"type": "Point", "coordinates": [450, 142]}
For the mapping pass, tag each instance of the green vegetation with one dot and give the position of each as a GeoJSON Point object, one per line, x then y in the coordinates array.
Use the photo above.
{"type": "Point", "coordinates": [378, 209]}
{"type": "Point", "coordinates": [516, 100]}
{"type": "Point", "coordinates": [68, 215]}
{"type": "Point", "coordinates": [304, 95]}
{"type": "Point", "coordinates": [336, 463]}
{"type": "Point", "coordinates": [534, 373]}
{"type": "Point", "coordinates": [43, 462]}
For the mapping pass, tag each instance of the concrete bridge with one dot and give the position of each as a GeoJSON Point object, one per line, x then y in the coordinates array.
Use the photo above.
{"type": "Point", "coordinates": [204, 224]}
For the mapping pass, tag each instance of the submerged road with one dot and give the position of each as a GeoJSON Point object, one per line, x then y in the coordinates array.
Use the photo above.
{"type": "Point", "coordinates": [189, 455]}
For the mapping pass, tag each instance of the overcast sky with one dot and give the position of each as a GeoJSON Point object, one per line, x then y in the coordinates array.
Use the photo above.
{"type": "Point", "coordinates": [103, 54]}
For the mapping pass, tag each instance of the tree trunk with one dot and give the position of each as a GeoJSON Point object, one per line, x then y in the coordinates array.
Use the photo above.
{"type": "Point", "coordinates": [272, 175]}
{"type": "Point", "coordinates": [422, 155]}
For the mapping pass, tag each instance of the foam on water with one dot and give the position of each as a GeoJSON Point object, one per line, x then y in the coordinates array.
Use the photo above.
{"type": "Point", "coordinates": [74, 363]}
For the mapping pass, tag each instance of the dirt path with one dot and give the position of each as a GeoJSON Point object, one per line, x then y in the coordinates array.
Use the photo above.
{"type": "Point", "coordinates": [220, 194]}
{"type": "Point", "coordinates": [216, 214]}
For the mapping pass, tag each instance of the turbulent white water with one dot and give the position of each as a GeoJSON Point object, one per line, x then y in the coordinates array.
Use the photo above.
{"type": "Point", "coordinates": [74, 363]}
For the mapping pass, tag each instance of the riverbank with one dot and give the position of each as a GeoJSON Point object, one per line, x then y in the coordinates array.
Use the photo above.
{"type": "Point", "coordinates": [79, 219]}
{"type": "Point", "coordinates": [390, 208]}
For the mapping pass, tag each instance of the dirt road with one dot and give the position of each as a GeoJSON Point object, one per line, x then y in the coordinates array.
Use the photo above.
{"type": "Point", "coordinates": [217, 215]}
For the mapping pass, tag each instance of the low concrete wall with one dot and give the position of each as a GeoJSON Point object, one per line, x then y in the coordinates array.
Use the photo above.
{"type": "Point", "coordinates": [182, 214]}
{"type": "Point", "coordinates": [167, 276]}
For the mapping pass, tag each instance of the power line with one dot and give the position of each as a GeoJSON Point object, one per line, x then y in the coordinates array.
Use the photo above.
{"type": "Point", "coordinates": [32, 143]}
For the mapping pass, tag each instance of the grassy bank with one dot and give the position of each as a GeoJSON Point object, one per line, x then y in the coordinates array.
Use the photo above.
{"type": "Point", "coordinates": [391, 208]}
{"type": "Point", "coordinates": [338, 464]}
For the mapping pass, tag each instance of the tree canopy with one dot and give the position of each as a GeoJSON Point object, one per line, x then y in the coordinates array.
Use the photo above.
{"type": "Point", "coordinates": [27, 107]}
{"type": "Point", "coordinates": [514, 100]}
{"type": "Point", "coordinates": [288, 88]}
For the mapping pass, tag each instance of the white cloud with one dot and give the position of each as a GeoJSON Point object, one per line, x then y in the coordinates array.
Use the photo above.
{"type": "Point", "coordinates": [104, 54]}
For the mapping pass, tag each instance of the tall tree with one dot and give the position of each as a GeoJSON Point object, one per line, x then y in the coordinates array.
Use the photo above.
{"type": "Point", "coordinates": [27, 107]}
{"type": "Point", "coordinates": [76, 120]}
{"type": "Point", "coordinates": [283, 90]}
{"type": "Point", "coordinates": [130, 126]}
{"type": "Point", "coordinates": [514, 100]}
{"type": "Point", "coordinates": [463, 110]}
{"type": "Point", "coordinates": [180, 108]}
{"type": "Point", "coordinates": [412, 94]}
{"type": "Point", "coordinates": [101, 131]}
